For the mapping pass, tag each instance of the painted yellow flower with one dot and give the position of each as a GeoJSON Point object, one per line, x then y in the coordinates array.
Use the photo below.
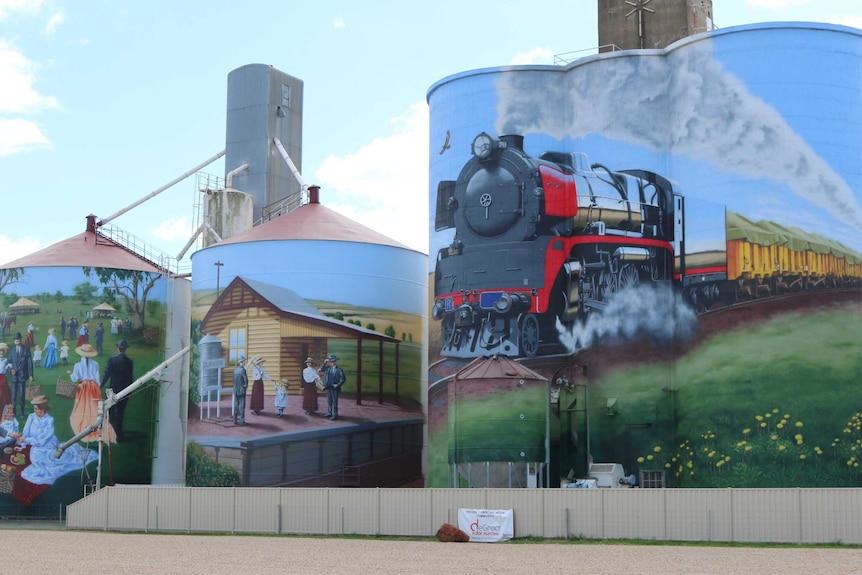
{"type": "Point", "coordinates": [798, 424]}
{"type": "Point", "coordinates": [746, 431]}
{"type": "Point", "coordinates": [802, 456]}
{"type": "Point", "coordinates": [640, 459]}
{"type": "Point", "coordinates": [781, 448]}
{"type": "Point", "coordinates": [657, 449]}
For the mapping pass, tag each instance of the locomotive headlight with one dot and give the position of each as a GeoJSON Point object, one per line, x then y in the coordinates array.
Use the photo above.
{"type": "Point", "coordinates": [483, 145]}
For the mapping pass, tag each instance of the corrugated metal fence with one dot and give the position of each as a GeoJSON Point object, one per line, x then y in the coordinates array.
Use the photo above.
{"type": "Point", "coordinates": [724, 515]}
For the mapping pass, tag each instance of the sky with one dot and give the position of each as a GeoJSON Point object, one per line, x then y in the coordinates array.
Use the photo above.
{"type": "Point", "coordinates": [103, 102]}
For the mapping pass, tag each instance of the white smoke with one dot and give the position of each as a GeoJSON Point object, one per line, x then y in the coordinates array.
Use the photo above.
{"type": "Point", "coordinates": [656, 312]}
{"type": "Point", "coordinates": [682, 102]}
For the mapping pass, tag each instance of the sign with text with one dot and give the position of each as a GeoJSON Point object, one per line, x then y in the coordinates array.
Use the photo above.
{"type": "Point", "coordinates": [487, 525]}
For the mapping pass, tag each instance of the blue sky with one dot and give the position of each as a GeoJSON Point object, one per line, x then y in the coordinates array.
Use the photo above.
{"type": "Point", "coordinates": [102, 102]}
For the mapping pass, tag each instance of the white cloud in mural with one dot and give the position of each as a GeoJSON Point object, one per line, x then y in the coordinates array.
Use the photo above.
{"type": "Point", "coordinates": [707, 114]}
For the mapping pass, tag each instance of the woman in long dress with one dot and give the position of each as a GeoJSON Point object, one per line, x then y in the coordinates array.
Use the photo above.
{"type": "Point", "coordinates": [309, 387]}
{"type": "Point", "coordinates": [30, 340]}
{"type": "Point", "coordinates": [5, 390]}
{"type": "Point", "coordinates": [38, 433]}
{"type": "Point", "coordinates": [49, 355]}
{"type": "Point", "coordinates": [87, 397]}
{"type": "Point", "coordinates": [258, 376]}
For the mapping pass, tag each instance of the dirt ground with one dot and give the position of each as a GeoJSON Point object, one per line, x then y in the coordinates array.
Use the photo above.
{"type": "Point", "coordinates": [98, 553]}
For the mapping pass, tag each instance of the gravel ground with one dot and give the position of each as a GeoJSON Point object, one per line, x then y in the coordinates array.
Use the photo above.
{"type": "Point", "coordinates": [96, 553]}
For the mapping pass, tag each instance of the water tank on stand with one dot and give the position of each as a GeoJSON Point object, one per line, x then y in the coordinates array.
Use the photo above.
{"type": "Point", "coordinates": [211, 364]}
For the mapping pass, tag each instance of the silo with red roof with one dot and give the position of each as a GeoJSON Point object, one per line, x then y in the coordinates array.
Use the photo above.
{"type": "Point", "coordinates": [97, 292]}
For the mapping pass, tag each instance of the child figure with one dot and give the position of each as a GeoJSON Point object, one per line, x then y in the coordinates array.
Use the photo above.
{"type": "Point", "coordinates": [281, 387]}
{"type": "Point", "coordinates": [64, 352]}
{"type": "Point", "coordinates": [9, 425]}
{"type": "Point", "coordinates": [37, 356]}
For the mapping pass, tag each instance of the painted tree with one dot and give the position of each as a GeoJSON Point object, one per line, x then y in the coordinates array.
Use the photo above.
{"type": "Point", "coordinates": [133, 286]}
{"type": "Point", "coordinates": [10, 276]}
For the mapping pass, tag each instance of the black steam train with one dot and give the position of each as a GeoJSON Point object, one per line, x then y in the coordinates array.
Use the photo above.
{"type": "Point", "coordinates": [543, 239]}
{"type": "Point", "coordinates": [548, 240]}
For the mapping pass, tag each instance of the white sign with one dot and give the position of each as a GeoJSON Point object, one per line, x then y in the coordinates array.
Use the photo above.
{"type": "Point", "coordinates": [487, 525]}
{"type": "Point", "coordinates": [212, 363]}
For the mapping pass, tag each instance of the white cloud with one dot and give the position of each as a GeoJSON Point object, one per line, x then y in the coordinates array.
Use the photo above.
{"type": "Point", "coordinates": [534, 56]}
{"type": "Point", "coordinates": [173, 229]}
{"type": "Point", "coordinates": [19, 6]}
{"type": "Point", "coordinates": [338, 22]}
{"type": "Point", "coordinates": [776, 4]}
{"type": "Point", "coordinates": [17, 97]}
{"type": "Point", "coordinates": [54, 21]}
{"type": "Point", "coordinates": [852, 21]}
{"type": "Point", "coordinates": [11, 249]}
{"type": "Point", "coordinates": [384, 184]}
{"type": "Point", "coordinates": [18, 136]}
{"type": "Point", "coordinates": [17, 74]}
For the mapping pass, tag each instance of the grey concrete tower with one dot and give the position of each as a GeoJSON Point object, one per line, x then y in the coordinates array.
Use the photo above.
{"type": "Point", "coordinates": [638, 24]}
{"type": "Point", "coordinates": [263, 103]}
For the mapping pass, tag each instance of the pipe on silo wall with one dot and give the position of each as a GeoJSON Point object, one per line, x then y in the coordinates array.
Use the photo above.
{"type": "Point", "coordinates": [169, 459]}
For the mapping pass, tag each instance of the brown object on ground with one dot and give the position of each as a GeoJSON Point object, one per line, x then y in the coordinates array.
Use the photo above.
{"type": "Point", "coordinates": [448, 533]}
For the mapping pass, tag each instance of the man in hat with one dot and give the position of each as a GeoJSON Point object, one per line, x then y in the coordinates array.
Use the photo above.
{"type": "Point", "coordinates": [333, 379]}
{"type": "Point", "coordinates": [119, 374]}
{"type": "Point", "coordinates": [240, 384]}
{"type": "Point", "coordinates": [99, 337]}
{"type": "Point", "coordinates": [21, 371]}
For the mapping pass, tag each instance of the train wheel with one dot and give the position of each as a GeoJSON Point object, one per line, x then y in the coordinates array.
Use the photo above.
{"type": "Point", "coordinates": [529, 335]}
{"type": "Point", "coordinates": [628, 277]}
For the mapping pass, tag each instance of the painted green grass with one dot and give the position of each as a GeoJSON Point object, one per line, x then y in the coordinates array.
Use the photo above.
{"type": "Point", "coordinates": [127, 462]}
{"type": "Point", "coordinates": [776, 405]}
{"type": "Point", "coordinates": [509, 426]}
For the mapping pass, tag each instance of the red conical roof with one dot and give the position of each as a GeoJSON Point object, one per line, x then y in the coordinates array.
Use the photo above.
{"type": "Point", "coordinates": [86, 249]}
{"type": "Point", "coordinates": [313, 221]}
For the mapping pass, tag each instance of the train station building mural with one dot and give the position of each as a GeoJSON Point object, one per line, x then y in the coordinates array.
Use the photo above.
{"type": "Point", "coordinates": [670, 240]}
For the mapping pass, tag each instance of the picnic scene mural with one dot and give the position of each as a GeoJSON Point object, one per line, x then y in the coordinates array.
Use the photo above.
{"type": "Point", "coordinates": [67, 334]}
{"type": "Point", "coordinates": [669, 245]}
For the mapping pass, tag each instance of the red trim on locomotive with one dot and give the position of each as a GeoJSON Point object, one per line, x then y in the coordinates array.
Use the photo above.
{"type": "Point", "coordinates": [561, 194]}
{"type": "Point", "coordinates": [554, 260]}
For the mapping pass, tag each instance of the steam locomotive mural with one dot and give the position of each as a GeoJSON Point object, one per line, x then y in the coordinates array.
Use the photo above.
{"type": "Point", "coordinates": [552, 239]}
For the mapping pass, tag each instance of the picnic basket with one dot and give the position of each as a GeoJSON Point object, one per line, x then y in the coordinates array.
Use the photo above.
{"type": "Point", "coordinates": [33, 389]}
{"type": "Point", "coordinates": [7, 479]}
{"type": "Point", "coordinates": [66, 388]}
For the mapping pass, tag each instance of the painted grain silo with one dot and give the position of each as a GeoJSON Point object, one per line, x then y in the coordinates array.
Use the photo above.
{"type": "Point", "coordinates": [498, 425]}
{"type": "Point", "coordinates": [283, 291]}
{"type": "Point", "coordinates": [286, 295]}
{"type": "Point", "coordinates": [95, 295]}
{"type": "Point", "coordinates": [685, 223]}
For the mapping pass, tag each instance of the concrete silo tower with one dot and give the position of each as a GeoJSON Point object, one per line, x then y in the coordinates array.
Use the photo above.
{"type": "Point", "coordinates": [639, 24]}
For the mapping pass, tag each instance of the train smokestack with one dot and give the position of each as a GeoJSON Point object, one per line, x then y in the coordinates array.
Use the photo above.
{"type": "Point", "coordinates": [513, 142]}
